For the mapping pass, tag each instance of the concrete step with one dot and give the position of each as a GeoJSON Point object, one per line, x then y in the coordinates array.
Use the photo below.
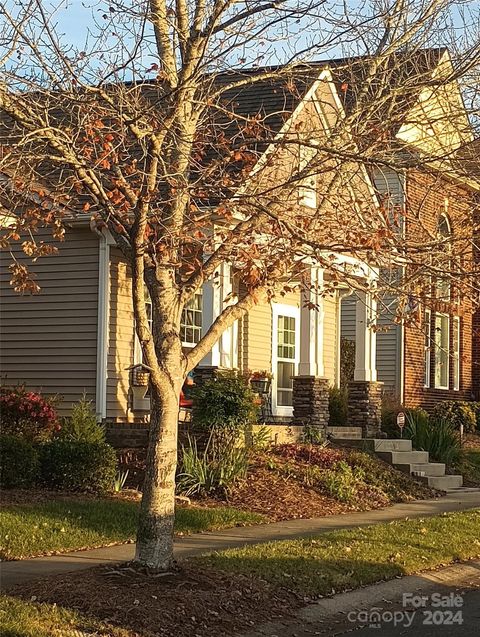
{"type": "Point", "coordinates": [378, 444]}
{"type": "Point", "coordinates": [434, 469]}
{"type": "Point", "coordinates": [404, 457]}
{"type": "Point", "coordinates": [345, 433]}
{"type": "Point", "coordinates": [444, 483]}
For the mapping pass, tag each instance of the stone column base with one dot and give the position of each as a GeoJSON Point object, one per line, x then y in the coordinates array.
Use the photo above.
{"type": "Point", "coordinates": [365, 407]}
{"type": "Point", "coordinates": [202, 374]}
{"type": "Point", "coordinates": [310, 401]}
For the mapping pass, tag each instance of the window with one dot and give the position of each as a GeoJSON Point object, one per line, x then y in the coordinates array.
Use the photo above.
{"type": "Point", "coordinates": [427, 348]}
{"type": "Point", "coordinates": [442, 339]}
{"type": "Point", "coordinates": [286, 322]}
{"type": "Point", "coordinates": [456, 353]}
{"type": "Point", "coordinates": [191, 322]}
{"type": "Point", "coordinates": [307, 191]}
{"type": "Point", "coordinates": [443, 262]}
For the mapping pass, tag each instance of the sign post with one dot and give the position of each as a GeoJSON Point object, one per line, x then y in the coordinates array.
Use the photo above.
{"type": "Point", "coordinates": [401, 422]}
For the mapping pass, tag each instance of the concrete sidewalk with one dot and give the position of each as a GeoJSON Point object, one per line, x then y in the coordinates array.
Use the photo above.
{"type": "Point", "coordinates": [23, 570]}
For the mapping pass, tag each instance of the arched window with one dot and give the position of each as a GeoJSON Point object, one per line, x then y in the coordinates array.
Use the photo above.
{"type": "Point", "coordinates": [443, 262]}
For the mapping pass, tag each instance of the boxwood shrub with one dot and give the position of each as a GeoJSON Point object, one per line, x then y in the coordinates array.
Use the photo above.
{"type": "Point", "coordinates": [18, 462]}
{"type": "Point", "coordinates": [77, 466]}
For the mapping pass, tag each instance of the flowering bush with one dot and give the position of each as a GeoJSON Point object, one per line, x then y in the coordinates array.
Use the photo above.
{"type": "Point", "coordinates": [27, 414]}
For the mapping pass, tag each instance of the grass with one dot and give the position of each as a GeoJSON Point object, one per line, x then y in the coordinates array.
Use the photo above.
{"type": "Point", "coordinates": [66, 525]}
{"type": "Point", "coordinates": [347, 559]}
{"type": "Point", "coordinates": [25, 619]}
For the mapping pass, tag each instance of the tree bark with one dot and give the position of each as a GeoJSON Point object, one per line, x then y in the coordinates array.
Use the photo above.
{"type": "Point", "coordinates": [157, 511]}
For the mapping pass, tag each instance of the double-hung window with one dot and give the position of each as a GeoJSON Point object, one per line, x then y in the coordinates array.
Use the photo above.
{"type": "Point", "coordinates": [285, 356]}
{"type": "Point", "coordinates": [456, 352]}
{"type": "Point", "coordinates": [442, 350]}
{"type": "Point", "coordinates": [191, 322]}
{"type": "Point", "coordinates": [427, 346]}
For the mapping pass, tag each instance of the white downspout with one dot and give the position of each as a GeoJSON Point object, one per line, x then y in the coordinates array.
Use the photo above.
{"type": "Point", "coordinates": [102, 326]}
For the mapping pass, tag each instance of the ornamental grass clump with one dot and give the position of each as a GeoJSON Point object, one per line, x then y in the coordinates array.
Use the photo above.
{"type": "Point", "coordinates": [436, 435]}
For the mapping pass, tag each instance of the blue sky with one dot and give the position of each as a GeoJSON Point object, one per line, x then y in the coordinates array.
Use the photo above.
{"type": "Point", "coordinates": [74, 19]}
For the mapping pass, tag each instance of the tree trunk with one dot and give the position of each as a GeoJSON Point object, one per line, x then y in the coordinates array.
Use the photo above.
{"type": "Point", "coordinates": [157, 511]}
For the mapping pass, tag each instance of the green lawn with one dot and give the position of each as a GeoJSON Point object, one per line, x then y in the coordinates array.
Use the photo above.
{"type": "Point", "coordinates": [347, 559]}
{"type": "Point", "coordinates": [67, 525]}
{"type": "Point", "coordinates": [25, 619]}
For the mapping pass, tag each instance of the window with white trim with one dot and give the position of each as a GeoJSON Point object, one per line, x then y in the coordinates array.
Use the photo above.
{"type": "Point", "coordinates": [191, 321]}
{"type": "Point", "coordinates": [307, 190]}
{"type": "Point", "coordinates": [427, 347]}
{"type": "Point", "coordinates": [456, 352]}
{"type": "Point", "coordinates": [442, 350]}
{"type": "Point", "coordinates": [285, 356]}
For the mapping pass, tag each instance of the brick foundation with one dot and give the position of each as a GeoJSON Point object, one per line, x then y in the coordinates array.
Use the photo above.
{"type": "Point", "coordinates": [131, 435]}
{"type": "Point", "coordinates": [310, 401]}
{"type": "Point", "coordinates": [365, 407]}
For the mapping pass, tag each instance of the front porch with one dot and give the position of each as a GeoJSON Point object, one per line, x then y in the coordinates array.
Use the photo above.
{"type": "Point", "coordinates": [295, 341]}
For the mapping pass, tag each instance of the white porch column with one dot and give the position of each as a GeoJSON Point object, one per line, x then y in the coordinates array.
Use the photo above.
{"type": "Point", "coordinates": [365, 337]}
{"type": "Point", "coordinates": [215, 291]}
{"type": "Point", "coordinates": [311, 327]}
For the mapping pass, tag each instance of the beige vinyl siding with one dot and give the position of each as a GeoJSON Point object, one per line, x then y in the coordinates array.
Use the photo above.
{"type": "Point", "coordinates": [49, 340]}
{"type": "Point", "coordinates": [121, 339]}
{"type": "Point", "coordinates": [256, 345]}
{"type": "Point", "coordinates": [330, 305]}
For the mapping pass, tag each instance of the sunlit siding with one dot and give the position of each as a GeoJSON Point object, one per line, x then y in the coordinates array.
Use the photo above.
{"type": "Point", "coordinates": [121, 338]}
{"type": "Point", "coordinates": [49, 340]}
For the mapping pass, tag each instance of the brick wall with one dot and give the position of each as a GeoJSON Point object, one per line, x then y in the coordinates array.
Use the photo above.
{"type": "Point", "coordinates": [426, 195]}
{"type": "Point", "coordinates": [476, 316]}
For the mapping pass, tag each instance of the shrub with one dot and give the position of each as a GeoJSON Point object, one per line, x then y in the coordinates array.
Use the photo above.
{"type": "Point", "coordinates": [19, 462]}
{"type": "Point", "coordinates": [341, 482]}
{"type": "Point", "coordinates": [338, 406]}
{"type": "Point", "coordinates": [225, 403]}
{"type": "Point", "coordinates": [391, 407]}
{"type": "Point", "coordinates": [27, 414]}
{"type": "Point", "coordinates": [78, 466]}
{"type": "Point", "coordinates": [82, 426]}
{"type": "Point", "coordinates": [438, 437]}
{"type": "Point", "coordinates": [458, 413]}
{"type": "Point", "coordinates": [216, 469]}
{"type": "Point", "coordinates": [347, 361]}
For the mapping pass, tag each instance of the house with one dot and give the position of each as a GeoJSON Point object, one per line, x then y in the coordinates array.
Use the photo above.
{"type": "Point", "coordinates": [78, 334]}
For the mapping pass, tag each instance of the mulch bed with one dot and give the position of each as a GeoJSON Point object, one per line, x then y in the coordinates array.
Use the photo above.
{"type": "Point", "coordinates": [188, 603]}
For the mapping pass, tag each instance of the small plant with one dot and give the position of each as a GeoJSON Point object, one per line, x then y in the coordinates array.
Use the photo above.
{"type": "Point", "coordinates": [78, 466]}
{"type": "Point", "coordinates": [341, 482]}
{"type": "Point", "coordinates": [435, 435]}
{"type": "Point", "coordinates": [214, 470]}
{"type": "Point", "coordinates": [120, 480]}
{"type": "Point", "coordinates": [82, 426]}
{"type": "Point", "coordinates": [338, 406]}
{"type": "Point", "coordinates": [27, 414]}
{"type": "Point", "coordinates": [458, 413]}
{"type": "Point", "coordinates": [312, 435]}
{"type": "Point", "coordinates": [259, 438]}
{"type": "Point", "coordinates": [19, 462]}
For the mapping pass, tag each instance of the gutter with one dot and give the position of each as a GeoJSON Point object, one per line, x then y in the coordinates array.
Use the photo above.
{"type": "Point", "coordinates": [102, 325]}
